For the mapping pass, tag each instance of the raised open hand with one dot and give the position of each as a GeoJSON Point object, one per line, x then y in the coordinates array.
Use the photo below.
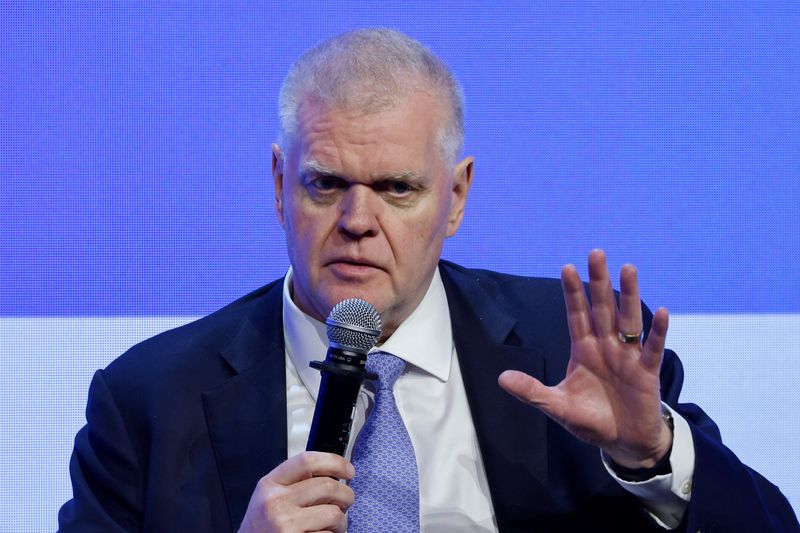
{"type": "Point", "coordinates": [610, 396]}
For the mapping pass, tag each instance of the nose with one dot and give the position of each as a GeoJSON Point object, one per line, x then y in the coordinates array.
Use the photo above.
{"type": "Point", "coordinates": [358, 217]}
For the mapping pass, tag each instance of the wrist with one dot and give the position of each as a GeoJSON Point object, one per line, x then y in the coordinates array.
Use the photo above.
{"type": "Point", "coordinates": [660, 468]}
{"type": "Point", "coordinates": [654, 462]}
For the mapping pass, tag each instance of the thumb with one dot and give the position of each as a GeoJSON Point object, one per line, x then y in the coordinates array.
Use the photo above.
{"type": "Point", "coordinates": [530, 390]}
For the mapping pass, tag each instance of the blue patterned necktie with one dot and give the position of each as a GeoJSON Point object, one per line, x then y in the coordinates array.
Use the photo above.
{"type": "Point", "coordinates": [386, 482]}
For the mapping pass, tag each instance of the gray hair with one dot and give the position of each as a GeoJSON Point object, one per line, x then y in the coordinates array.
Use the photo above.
{"type": "Point", "coordinates": [371, 70]}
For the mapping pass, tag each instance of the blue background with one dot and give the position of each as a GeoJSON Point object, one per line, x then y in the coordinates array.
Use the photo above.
{"type": "Point", "coordinates": [135, 186]}
{"type": "Point", "coordinates": [135, 146]}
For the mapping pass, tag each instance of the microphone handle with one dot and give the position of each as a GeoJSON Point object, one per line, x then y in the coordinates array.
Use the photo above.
{"type": "Point", "coordinates": [336, 401]}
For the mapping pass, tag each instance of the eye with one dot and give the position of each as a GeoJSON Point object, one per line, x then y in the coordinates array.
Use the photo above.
{"type": "Point", "coordinates": [399, 191]}
{"type": "Point", "coordinates": [324, 187]}
{"type": "Point", "coordinates": [400, 188]}
{"type": "Point", "coordinates": [325, 183]}
{"type": "Point", "coordinates": [397, 188]}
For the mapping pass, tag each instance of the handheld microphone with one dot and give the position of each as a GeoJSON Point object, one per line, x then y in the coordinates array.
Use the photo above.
{"type": "Point", "coordinates": [353, 329]}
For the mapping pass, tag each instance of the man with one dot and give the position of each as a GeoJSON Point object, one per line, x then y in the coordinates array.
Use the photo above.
{"type": "Point", "coordinates": [203, 428]}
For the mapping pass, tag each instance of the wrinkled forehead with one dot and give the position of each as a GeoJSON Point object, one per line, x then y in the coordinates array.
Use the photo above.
{"type": "Point", "coordinates": [405, 133]}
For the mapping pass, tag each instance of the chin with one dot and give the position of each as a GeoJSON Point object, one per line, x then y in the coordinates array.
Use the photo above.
{"type": "Point", "coordinates": [338, 294]}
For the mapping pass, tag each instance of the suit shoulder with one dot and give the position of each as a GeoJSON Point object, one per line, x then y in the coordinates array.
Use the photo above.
{"type": "Point", "coordinates": [190, 345]}
{"type": "Point", "coordinates": [522, 291]}
{"type": "Point", "coordinates": [510, 286]}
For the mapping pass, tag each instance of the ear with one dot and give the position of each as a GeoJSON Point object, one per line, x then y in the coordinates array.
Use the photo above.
{"type": "Point", "coordinates": [277, 180]}
{"type": "Point", "coordinates": [462, 180]}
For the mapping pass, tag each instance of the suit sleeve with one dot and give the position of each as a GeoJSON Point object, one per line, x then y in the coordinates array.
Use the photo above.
{"type": "Point", "coordinates": [105, 472]}
{"type": "Point", "coordinates": [726, 494]}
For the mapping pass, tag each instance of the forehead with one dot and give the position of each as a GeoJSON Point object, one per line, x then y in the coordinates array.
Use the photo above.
{"type": "Point", "coordinates": [358, 142]}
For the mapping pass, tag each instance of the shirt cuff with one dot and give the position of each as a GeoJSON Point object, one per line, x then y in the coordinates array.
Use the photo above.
{"type": "Point", "coordinates": [665, 497]}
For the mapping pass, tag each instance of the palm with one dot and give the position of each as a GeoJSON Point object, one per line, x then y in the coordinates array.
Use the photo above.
{"type": "Point", "coordinates": [610, 395]}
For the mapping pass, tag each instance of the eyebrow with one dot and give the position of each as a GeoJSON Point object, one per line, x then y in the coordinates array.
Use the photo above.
{"type": "Point", "coordinates": [314, 167]}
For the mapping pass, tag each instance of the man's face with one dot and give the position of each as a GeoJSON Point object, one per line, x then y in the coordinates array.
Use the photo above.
{"type": "Point", "coordinates": [366, 202]}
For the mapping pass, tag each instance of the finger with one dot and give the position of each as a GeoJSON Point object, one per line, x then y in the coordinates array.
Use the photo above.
{"type": "Point", "coordinates": [310, 464]}
{"type": "Point", "coordinates": [578, 320]}
{"type": "Point", "coordinates": [630, 305]}
{"type": "Point", "coordinates": [604, 306]}
{"type": "Point", "coordinates": [653, 349]}
{"type": "Point", "coordinates": [322, 490]}
{"type": "Point", "coordinates": [532, 391]}
{"type": "Point", "coordinates": [322, 518]}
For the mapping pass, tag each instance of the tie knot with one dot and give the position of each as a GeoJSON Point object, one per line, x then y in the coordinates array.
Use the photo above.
{"type": "Point", "coordinates": [387, 366]}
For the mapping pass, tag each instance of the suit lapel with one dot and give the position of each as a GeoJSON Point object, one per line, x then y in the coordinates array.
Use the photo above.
{"type": "Point", "coordinates": [512, 436]}
{"type": "Point", "coordinates": [246, 414]}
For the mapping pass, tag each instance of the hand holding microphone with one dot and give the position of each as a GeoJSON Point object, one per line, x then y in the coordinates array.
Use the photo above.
{"type": "Point", "coordinates": [304, 489]}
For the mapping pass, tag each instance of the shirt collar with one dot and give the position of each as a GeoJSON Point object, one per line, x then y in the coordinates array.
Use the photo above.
{"type": "Point", "coordinates": [424, 339]}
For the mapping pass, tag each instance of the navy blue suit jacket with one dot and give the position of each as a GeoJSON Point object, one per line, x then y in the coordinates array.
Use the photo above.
{"type": "Point", "coordinates": [182, 426]}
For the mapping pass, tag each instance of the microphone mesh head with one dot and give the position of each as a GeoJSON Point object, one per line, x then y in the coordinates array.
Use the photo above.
{"type": "Point", "coordinates": [354, 324]}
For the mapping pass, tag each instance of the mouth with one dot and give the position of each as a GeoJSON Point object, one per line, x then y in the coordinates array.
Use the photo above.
{"type": "Point", "coordinates": [352, 267]}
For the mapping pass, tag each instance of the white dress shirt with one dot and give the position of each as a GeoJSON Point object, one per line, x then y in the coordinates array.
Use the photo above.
{"type": "Point", "coordinates": [453, 489]}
